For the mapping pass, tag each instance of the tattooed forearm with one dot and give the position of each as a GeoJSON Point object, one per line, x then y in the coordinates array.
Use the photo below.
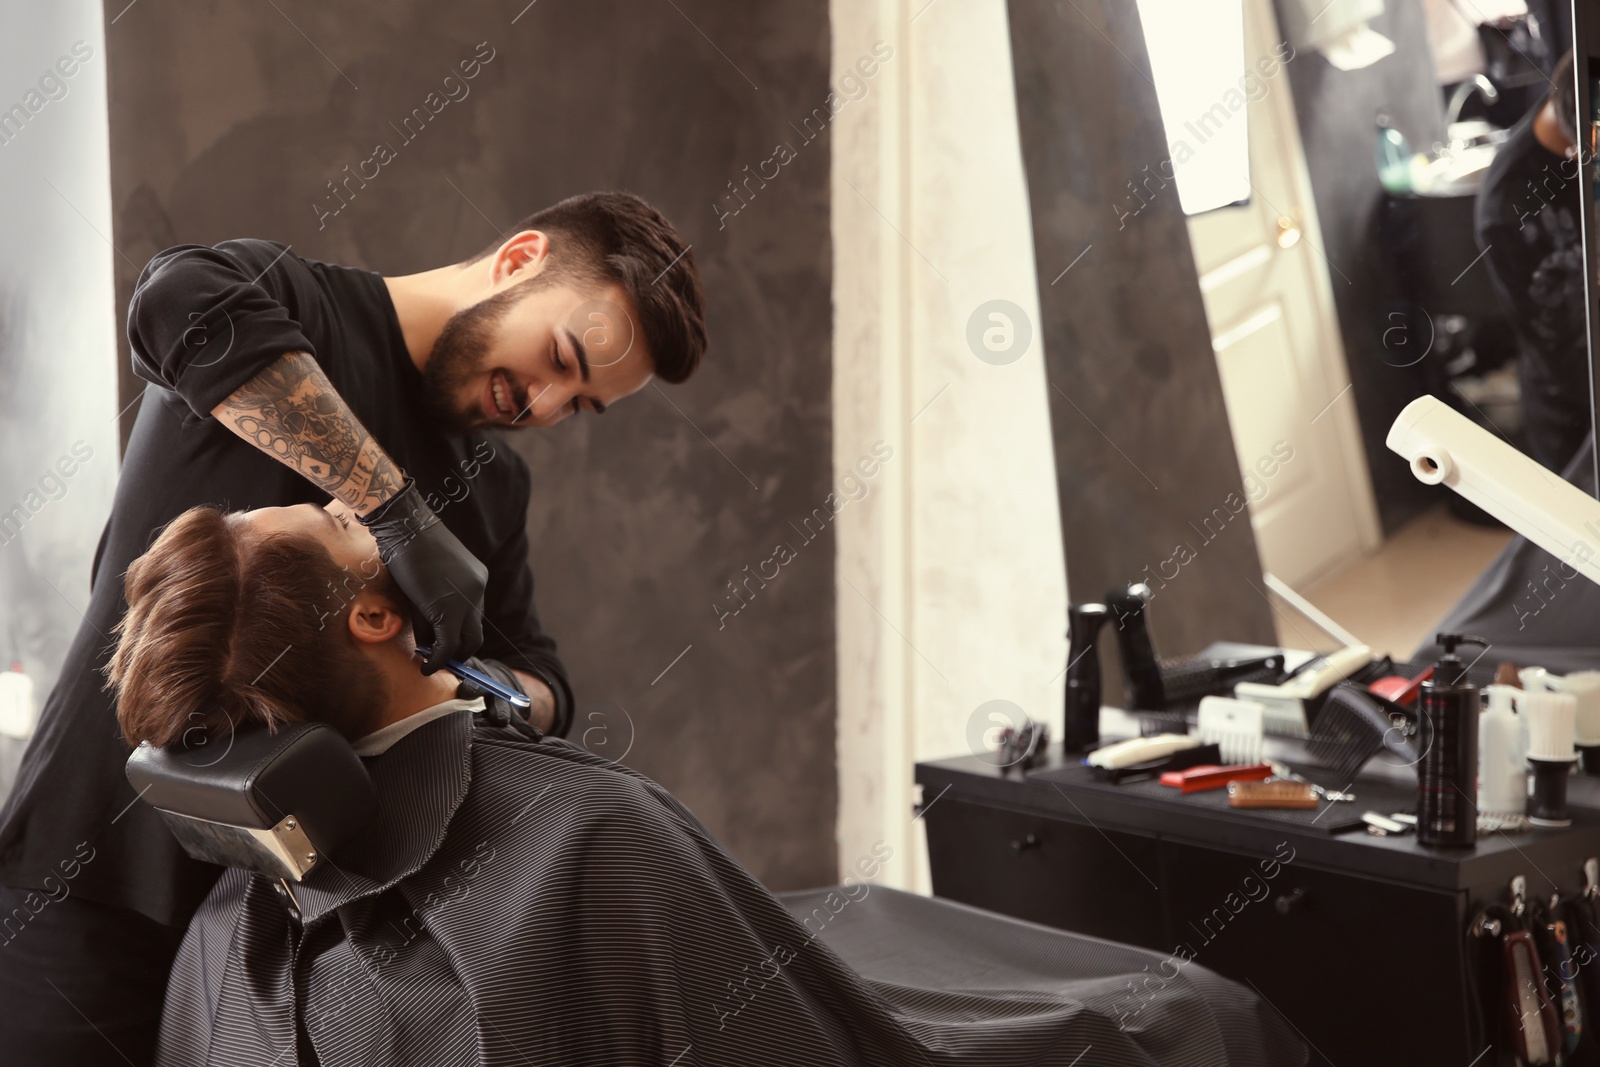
{"type": "Point", "coordinates": [291, 412]}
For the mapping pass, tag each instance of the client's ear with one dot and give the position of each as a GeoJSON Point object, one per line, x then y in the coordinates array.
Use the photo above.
{"type": "Point", "coordinates": [374, 619]}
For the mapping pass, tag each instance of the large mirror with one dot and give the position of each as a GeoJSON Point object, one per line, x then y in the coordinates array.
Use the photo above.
{"type": "Point", "coordinates": [1387, 204]}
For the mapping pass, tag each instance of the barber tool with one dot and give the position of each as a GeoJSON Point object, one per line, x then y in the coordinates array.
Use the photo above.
{"type": "Point", "coordinates": [1182, 759]}
{"type": "Point", "coordinates": [1338, 796]}
{"type": "Point", "coordinates": [1289, 708]}
{"type": "Point", "coordinates": [1273, 794]}
{"type": "Point", "coordinates": [278, 802]}
{"type": "Point", "coordinates": [1209, 776]}
{"type": "Point", "coordinates": [1584, 687]}
{"type": "Point", "coordinates": [1080, 728]}
{"type": "Point", "coordinates": [1551, 725]}
{"type": "Point", "coordinates": [1193, 677]}
{"type": "Point", "coordinates": [1023, 746]}
{"type": "Point", "coordinates": [1140, 667]}
{"type": "Point", "coordinates": [1448, 772]}
{"type": "Point", "coordinates": [483, 681]}
{"type": "Point", "coordinates": [1502, 772]}
{"type": "Point", "coordinates": [1537, 1024]}
{"type": "Point", "coordinates": [1140, 750]}
{"type": "Point", "coordinates": [1235, 725]}
{"type": "Point", "coordinates": [1507, 974]}
{"type": "Point", "coordinates": [1350, 729]}
{"type": "Point", "coordinates": [1398, 690]}
{"type": "Point", "coordinates": [1286, 702]}
{"type": "Point", "coordinates": [1555, 945]}
{"type": "Point", "coordinates": [1535, 678]}
{"type": "Point", "coordinates": [1583, 931]}
{"type": "Point", "coordinates": [1380, 825]}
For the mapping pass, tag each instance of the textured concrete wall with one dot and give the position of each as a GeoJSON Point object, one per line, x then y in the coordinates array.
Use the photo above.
{"type": "Point", "coordinates": [231, 119]}
{"type": "Point", "coordinates": [58, 399]}
{"type": "Point", "coordinates": [1142, 447]}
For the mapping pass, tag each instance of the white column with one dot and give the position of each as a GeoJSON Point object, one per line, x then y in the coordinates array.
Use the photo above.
{"type": "Point", "coordinates": [951, 581]}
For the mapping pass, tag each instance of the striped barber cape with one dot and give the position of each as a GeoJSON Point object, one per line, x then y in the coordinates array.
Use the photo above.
{"type": "Point", "coordinates": [524, 902]}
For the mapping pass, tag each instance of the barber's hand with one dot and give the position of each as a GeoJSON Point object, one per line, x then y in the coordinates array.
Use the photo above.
{"type": "Point", "coordinates": [433, 568]}
{"type": "Point", "coordinates": [496, 709]}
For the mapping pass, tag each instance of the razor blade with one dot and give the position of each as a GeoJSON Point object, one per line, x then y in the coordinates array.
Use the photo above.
{"type": "Point", "coordinates": [482, 681]}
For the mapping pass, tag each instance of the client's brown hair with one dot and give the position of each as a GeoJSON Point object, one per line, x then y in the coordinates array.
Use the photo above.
{"type": "Point", "coordinates": [226, 626]}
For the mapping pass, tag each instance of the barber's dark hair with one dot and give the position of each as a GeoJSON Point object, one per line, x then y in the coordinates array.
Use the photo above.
{"type": "Point", "coordinates": [1563, 94]}
{"type": "Point", "coordinates": [618, 238]}
{"type": "Point", "coordinates": [227, 627]}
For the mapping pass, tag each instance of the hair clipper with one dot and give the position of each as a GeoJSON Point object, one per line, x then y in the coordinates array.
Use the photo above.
{"type": "Point", "coordinates": [1140, 667]}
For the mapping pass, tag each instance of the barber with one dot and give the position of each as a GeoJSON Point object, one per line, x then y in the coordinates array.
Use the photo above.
{"type": "Point", "coordinates": [1528, 225]}
{"type": "Point", "coordinates": [277, 380]}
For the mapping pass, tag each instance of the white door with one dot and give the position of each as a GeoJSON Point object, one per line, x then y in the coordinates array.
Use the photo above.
{"type": "Point", "coordinates": [1268, 300]}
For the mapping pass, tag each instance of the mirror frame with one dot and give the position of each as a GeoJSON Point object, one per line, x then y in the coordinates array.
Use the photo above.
{"type": "Point", "coordinates": [1586, 46]}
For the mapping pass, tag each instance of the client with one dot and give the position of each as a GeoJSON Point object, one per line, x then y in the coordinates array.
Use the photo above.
{"type": "Point", "coordinates": [518, 900]}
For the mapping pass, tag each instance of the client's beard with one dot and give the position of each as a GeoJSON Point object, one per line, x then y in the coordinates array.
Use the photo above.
{"type": "Point", "coordinates": [461, 352]}
{"type": "Point", "coordinates": [358, 708]}
{"type": "Point", "coordinates": [358, 711]}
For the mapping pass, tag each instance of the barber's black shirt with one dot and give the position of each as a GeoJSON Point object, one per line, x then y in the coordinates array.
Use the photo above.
{"type": "Point", "coordinates": [202, 322]}
{"type": "Point", "coordinates": [1527, 221]}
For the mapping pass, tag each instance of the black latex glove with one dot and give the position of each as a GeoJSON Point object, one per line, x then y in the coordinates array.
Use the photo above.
{"type": "Point", "coordinates": [496, 709]}
{"type": "Point", "coordinates": [433, 568]}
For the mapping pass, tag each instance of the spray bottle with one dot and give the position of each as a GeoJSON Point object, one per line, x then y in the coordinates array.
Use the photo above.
{"type": "Point", "coordinates": [1446, 786]}
{"type": "Point", "coordinates": [1081, 722]}
{"type": "Point", "coordinates": [1502, 775]}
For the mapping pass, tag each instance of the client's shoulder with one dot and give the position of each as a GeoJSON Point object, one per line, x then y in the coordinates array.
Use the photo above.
{"type": "Point", "coordinates": [532, 808]}
{"type": "Point", "coordinates": [510, 769]}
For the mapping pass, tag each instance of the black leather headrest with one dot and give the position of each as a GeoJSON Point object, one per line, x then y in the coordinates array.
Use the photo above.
{"type": "Point", "coordinates": [256, 778]}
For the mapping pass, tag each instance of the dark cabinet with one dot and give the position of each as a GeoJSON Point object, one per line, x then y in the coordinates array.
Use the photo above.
{"type": "Point", "coordinates": [1360, 942]}
{"type": "Point", "coordinates": [1049, 871]}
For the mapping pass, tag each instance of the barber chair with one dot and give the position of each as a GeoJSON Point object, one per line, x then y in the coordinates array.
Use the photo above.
{"type": "Point", "coordinates": [277, 803]}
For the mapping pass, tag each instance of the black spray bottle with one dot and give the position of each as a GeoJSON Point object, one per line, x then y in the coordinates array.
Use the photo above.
{"type": "Point", "coordinates": [1081, 723]}
{"type": "Point", "coordinates": [1447, 777]}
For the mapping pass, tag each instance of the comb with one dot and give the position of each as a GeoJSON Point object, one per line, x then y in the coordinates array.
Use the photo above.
{"type": "Point", "coordinates": [1277, 794]}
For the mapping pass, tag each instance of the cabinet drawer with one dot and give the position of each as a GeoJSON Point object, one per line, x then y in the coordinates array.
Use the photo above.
{"type": "Point", "coordinates": [1368, 971]}
{"type": "Point", "coordinates": [1048, 871]}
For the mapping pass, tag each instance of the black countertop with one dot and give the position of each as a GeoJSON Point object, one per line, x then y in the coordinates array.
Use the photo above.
{"type": "Point", "coordinates": [1063, 788]}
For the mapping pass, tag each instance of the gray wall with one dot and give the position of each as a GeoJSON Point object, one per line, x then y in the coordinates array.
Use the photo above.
{"type": "Point", "coordinates": [1142, 446]}
{"type": "Point", "coordinates": [228, 120]}
{"type": "Point", "coordinates": [57, 355]}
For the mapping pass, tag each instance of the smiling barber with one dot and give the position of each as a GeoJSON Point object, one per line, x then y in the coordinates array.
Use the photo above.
{"type": "Point", "coordinates": [278, 380]}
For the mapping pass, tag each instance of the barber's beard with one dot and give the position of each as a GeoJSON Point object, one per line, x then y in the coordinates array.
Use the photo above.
{"type": "Point", "coordinates": [461, 354]}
